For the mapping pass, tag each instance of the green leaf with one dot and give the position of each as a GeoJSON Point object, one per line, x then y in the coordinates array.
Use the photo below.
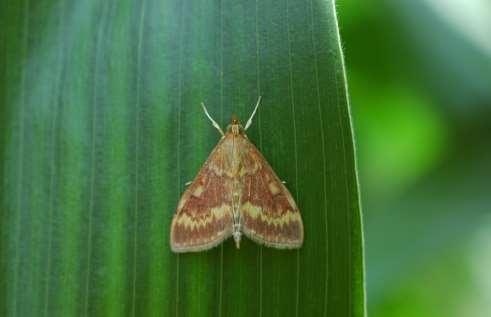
{"type": "Point", "coordinates": [101, 129]}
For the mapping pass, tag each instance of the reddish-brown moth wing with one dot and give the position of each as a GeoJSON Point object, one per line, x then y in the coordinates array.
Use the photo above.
{"type": "Point", "coordinates": [269, 213]}
{"type": "Point", "coordinates": [204, 214]}
{"type": "Point", "coordinates": [235, 191]}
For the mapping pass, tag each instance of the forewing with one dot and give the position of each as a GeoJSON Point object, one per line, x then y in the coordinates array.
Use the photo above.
{"type": "Point", "coordinates": [269, 213]}
{"type": "Point", "coordinates": [204, 214]}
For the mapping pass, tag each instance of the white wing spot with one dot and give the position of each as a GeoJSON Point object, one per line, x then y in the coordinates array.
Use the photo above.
{"type": "Point", "coordinates": [273, 188]}
{"type": "Point", "coordinates": [198, 191]}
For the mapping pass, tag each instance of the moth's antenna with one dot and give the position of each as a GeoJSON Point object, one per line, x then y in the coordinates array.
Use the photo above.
{"type": "Point", "coordinates": [213, 122]}
{"type": "Point", "coordinates": [248, 124]}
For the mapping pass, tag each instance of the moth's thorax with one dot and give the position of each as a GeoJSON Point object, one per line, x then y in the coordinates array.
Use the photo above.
{"type": "Point", "coordinates": [232, 148]}
{"type": "Point", "coordinates": [235, 127]}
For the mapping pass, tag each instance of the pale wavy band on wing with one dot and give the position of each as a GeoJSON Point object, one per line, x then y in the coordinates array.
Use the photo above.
{"type": "Point", "coordinates": [197, 234]}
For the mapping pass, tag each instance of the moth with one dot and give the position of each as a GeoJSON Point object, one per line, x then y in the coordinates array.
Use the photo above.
{"type": "Point", "coordinates": [235, 192]}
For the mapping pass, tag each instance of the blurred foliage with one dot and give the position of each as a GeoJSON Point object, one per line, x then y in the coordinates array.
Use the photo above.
{"type": "Point", "coordinates": [420, 77]}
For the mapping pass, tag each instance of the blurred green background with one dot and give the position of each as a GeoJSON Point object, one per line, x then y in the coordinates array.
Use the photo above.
{"type": "Point", "coordinates": [420, 82]}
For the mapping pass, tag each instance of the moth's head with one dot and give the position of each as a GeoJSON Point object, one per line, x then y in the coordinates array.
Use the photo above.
{"type": "Point", "coordinates": [235, 127]}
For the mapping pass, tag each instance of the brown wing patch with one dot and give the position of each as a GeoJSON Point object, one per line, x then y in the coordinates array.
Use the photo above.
{"type": "Point", "coordinates": [204, 214]}
{"type": "Point", "coordinates": [270, 215]}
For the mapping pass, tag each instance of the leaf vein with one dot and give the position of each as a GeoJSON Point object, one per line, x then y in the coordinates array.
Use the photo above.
{"type": "Point", "coordinates": [137, 158]}
{"type": "Point", "coordinates": [178, 150]}
{"type": "Point", "coordinates": [295, 149]}
{"type": "Point", "coordinates": [220, 290]}
{"type": "Point", "coordinates": [52, 167]}
{"type": "Point", "coordinates": [323, 147]}
{"type": "Point", "coordinates": [20, 169]}
{"type": "Point", "coordinates": [258, 88]}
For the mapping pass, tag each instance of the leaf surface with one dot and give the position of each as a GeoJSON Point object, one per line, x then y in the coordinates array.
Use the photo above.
{"type": "Point", "coordinates": [101, 129]}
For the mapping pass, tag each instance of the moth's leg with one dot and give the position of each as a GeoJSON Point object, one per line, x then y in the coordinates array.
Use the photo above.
{"type": "Point", "coordinates": [213, 122]}
{"type": "Point", "coordinates": [283, 182]}
{"type": "Point", "coordinates": [248, 124]}
{"type": "Point", "coordinates": [188, 183]}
